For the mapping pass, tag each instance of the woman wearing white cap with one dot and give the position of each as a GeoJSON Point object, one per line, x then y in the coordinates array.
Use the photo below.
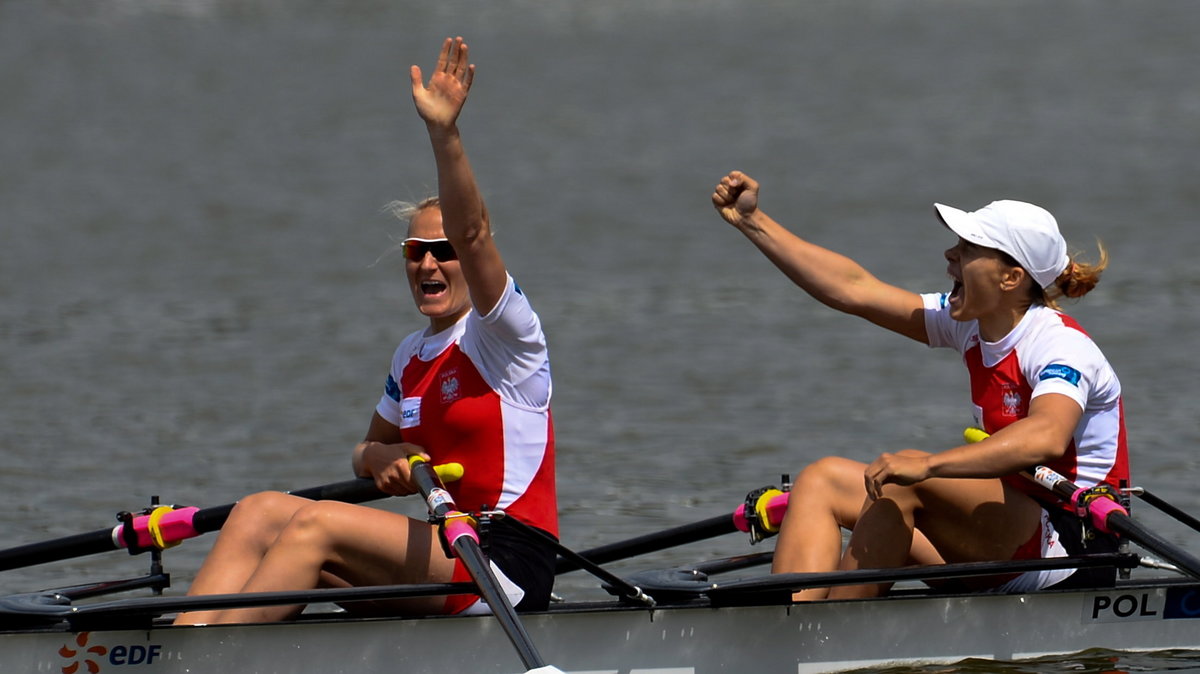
{"type": "Point", "coordinates": [1039, 385]}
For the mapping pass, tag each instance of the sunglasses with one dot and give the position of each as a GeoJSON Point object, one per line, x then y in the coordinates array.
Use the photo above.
{"type": "Point", "coordinates": [415, 249]}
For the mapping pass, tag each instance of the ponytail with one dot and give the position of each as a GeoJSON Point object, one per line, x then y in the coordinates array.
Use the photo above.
{"type": "Point", "coordinates": [1077, 280]}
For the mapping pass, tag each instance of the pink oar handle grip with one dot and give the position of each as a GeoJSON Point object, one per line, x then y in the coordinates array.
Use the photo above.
{"type": "Point", "coordinates": [459, 525]}
{"type": "Point", "coordinates": [770, 510]}
{"type": "Point", "coordinates": [162, 528]}
{"type": "Point", "coordinates": [1099, 509]}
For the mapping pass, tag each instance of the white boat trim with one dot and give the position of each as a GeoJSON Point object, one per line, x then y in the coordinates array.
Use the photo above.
{"type": "Point", "coordinates": [693, 637]}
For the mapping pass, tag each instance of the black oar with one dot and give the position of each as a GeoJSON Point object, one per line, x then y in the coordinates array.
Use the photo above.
{"type": "Point", "coordinates": [459, 530]}
{"type": "Point", "coordinates": [760, 516]}
{"type": "Point", "coordinates": [165, 526]}
{"type": "Point", "coordinates": [1167, 508]}
{"type": "Point", "coordinates": [1106, 514]}
{"type": "Point", "coordinates": [653, 542]}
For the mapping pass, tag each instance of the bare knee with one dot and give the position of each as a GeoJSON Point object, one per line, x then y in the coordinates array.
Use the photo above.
{"type": "Point", "coordinates": [314, 524]}
{"type": "Point", "coordinates": [832, 473]}
{"type": "Point", "coordinates": [261, 516]}
{"type": "Point", "coordinates": [832, 485]}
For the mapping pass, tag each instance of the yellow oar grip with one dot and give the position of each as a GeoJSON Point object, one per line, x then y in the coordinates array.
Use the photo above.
{"type": "Point", "coordinates": [448, 472]}
{"type": "Point", "coordinates": [154, 525]}
{"type": "Point", "coordinates": [764, 515]}
{"type": "Point", "coordinates": [972, 434]}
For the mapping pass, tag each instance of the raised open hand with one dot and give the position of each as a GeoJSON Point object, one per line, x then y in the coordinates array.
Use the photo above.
{"type": "Point", "coordinates": [440, 103]}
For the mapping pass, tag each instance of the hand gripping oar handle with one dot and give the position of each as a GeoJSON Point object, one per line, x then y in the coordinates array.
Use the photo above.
{"type": "Point", "coordinates": [459, 530]}
{"type": "Point", "coordinates": [1105, 513]}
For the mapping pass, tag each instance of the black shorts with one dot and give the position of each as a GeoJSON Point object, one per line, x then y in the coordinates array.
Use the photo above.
{"type": "Point", "coordinates": [527, 562]}
{"type": "Point", "coordinates": [1079, 539]}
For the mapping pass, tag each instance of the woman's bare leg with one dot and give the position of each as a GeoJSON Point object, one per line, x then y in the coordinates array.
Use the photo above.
{"type": "Point", "coordinates": [827, 496]}
{"type": "Point", "coordinates": [252, 527]}
{"type": "Point", "coordinates": [965, 520]}
{"type": "Point", "coordinates": [360, 545]}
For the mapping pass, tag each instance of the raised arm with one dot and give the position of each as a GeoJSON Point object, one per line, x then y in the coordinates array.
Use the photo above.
{"type": "Point", "coordinates": [831, 278]}
{"type": "Point", "coordinates": [464, 215]}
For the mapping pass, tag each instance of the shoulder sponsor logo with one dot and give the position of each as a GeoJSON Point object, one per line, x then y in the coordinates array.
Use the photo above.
{"type": "Point", "coordinates": [1060, 371]}
{"type": "Point", "coordinates": [410, 412]}
{"type": "Point", "coordinates": [392, 389]}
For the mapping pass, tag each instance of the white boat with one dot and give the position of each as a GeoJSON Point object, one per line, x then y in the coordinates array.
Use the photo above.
{"type": "Point", "coordinates": [698, 622]}
{"type": "Point", "coordinates": [691, 630]}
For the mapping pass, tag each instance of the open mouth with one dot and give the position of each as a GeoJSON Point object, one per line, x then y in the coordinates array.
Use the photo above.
{"type": "Point", "coordinates": [431, 288]}
{"type": "Point", "coordinates": [956, 292]}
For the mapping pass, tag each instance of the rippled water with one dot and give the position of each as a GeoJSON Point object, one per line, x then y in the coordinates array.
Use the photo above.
{"type": "Point", "coordinates": [190, 212]}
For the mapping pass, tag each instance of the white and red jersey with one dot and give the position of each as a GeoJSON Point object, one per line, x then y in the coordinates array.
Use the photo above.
{"type": "Point", "coordinates": [1047, 352]}
{"type": "Point", "coordinates": [478, 393]}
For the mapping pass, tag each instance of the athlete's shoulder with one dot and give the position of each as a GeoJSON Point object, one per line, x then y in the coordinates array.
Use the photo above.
{"type": "Point", "coordinates": [1054, 327]}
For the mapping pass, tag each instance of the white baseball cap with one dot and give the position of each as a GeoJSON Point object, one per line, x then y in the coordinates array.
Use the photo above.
{"type": "Point", "coordinates": [1026, 232]}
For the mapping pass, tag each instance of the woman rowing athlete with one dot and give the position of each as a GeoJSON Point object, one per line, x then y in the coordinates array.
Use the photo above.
{"type": "Point", "coordinates": [1040, 387]}
{"type": "Point", "coordinates": [472, 388]}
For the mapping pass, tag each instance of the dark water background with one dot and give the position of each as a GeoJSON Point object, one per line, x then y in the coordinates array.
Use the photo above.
{"type": "Point", "coordinates": [190, 199]}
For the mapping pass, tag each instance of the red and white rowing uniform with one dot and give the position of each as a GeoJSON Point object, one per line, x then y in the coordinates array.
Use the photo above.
{"type": "Point", "coordinates": [478, 393]}
{"type": "Point", "coordinates": [1047, 352]}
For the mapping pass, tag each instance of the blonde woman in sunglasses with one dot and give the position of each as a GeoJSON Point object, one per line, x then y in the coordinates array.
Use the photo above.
{"type": "Point", "coordinates": [472, 388]}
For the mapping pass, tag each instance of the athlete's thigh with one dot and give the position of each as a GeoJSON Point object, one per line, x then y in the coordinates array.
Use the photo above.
{"type": "Point", "coordinates": [368, 546]}
{"type": "Point", "coordinates": [975, 520]}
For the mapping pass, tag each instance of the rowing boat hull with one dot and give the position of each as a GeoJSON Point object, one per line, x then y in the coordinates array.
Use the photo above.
{"type": "Point", "coordinates": [817, 637]}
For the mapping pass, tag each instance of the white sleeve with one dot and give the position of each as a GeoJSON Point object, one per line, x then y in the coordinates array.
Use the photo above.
{"type": "Point", "coordinates": [939, 327]}
{"type": "Point", "coordinates": [509, 348]}
{"type": "Point", "coordinates": [389, 406]}
{"type": "Point", "coordinates": [1070, 363]}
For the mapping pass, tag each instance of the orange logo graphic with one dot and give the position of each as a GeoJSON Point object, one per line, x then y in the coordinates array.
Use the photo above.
{"type": "Point", "coordinates": [78, 658]}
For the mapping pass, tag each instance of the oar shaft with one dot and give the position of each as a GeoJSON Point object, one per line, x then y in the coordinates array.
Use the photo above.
{"type": "Point", "coordinates": [52, 551]}
{"type": "Point", "coordinates": [477, 565]}
{"type": "Point", "coordinates": [201, 521]}
{"type": "Point", "coordinates": [681, 535]}
{"type": "Point", "coordinates": [1106, 514]}
{"type": "Point", "coordinates": [1109, 516]}
{"type": "Point", "coordinates": [1169, 509]}
{"type": "Point", "coordinates": [466, 546]}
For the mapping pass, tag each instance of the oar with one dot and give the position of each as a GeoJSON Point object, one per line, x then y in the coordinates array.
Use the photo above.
{"type": "Point", "coordinates": [459, 530]}
{"type": "Point", "coordinates": [1106, 514]}
{"type": "Point", "coordinates": [1111, 517]}
{"type": "Point", "coordinates": [165, 526]}
{"type": "Point", "coordinates": [760, 516]}
{"type": "Point", "coordinates": [1167, 508]}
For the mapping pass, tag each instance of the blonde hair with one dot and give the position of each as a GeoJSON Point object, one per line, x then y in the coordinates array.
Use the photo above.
{"type": "Point", "coordinates": [405, 210]}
